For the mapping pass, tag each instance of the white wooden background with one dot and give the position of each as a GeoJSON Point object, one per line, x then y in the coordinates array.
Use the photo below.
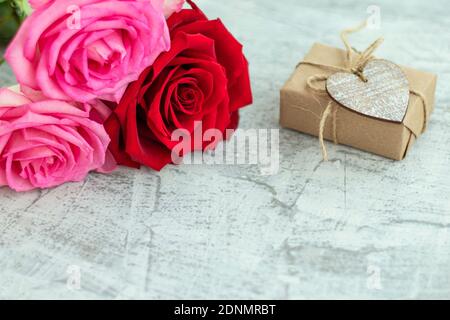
{"type": "Point", "coordinates": [359, 226]}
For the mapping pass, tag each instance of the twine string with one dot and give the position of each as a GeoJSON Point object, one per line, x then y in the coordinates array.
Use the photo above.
{"type": "Point", "coordinates": [323, 120]}
{"type": "Point", "coordinates": [425, 108]}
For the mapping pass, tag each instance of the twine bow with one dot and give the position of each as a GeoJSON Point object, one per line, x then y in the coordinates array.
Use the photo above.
{"type": "Point", "coordinates": [355, 66]}
{"type": "Point", "coordinates": [358, 66]}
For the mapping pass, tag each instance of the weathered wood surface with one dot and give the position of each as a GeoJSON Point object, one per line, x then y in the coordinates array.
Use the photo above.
{"type": "Point", "coordinates": [359, 226]}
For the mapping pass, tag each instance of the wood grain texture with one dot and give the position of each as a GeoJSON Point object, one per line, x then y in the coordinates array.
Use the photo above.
{"type": "Point", "coordinates": [383, 94]}
{"type": "Point", "coordinates": [359, 226]}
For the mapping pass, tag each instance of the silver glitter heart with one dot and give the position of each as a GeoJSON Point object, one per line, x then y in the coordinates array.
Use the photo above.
{"type": "Point", "coordinates": [384, 96]}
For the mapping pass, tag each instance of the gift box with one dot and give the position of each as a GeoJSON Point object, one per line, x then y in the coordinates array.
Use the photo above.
{"type": "Point", "coordinates": [302, 108]}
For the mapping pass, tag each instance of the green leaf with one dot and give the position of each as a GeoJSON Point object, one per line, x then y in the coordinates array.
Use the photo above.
{"type": "Point", "coordinates": [12, 14]}
{"type": "Point", "coordinates": [9, 22]}
{"type": "Point", "coordinates": [21, 7]}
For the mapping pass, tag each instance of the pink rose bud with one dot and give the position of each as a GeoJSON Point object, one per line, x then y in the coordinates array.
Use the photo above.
{"type": "Point", "coordinates": [82, 50]}
{"type": "Point", "coordinates": [45, 143]}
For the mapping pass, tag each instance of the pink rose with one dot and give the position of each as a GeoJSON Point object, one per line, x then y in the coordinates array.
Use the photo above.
{"type": "Point", "coordinates": [38, 3]}
{"type": "Point", "coordinates": [170, 6]}
{"type": "Point", "coordinates": [86, 49]}
{"type": "Point", "coordinates": [48, 142]}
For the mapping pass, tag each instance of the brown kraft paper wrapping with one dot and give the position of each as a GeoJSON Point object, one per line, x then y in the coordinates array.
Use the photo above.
{"type": "Point", "coordinates": [301, 109]}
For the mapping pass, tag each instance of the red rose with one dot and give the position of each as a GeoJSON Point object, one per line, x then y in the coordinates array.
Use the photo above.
{"type": "Point", "coordinates": [204, 77]}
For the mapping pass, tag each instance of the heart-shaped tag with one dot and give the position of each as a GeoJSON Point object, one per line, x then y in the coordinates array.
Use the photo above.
{"type": "Point", "coordinates": [384, 96]}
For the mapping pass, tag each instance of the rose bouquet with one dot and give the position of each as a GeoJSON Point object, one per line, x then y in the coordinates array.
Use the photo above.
{"type": "Point", "coordinates": [107, 82]}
